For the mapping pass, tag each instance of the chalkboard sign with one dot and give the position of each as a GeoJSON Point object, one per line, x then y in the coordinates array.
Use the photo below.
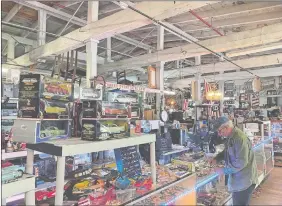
{"type": "Point", "coordinates": [163, 142]}
{"type": "Point", "coordinates": [127, 160]}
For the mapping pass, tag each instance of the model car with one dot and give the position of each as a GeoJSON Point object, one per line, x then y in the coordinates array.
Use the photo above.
{"type": "Point", "coordinates": [51, 131]}
{"type": "Point", "coordinates": [12, 173]}
{"type": "Point", "coordinates": [125, 98]}
{"type": "Point", "coordinates": [111, 128]}
{"type": "Point", "coordinates": [114, 111]}
{"type": "Point", "coordinates": [82, 184]}
{"type": "Point", "coordinates": [45, 194]}
{"type": "Point", "coordinates": [88, 126]}
{"type": "Point", "coordinates": [90, 199]}
{"type": "Point", "coordinates": [6, 164]}
{"type": "Point", "coordinates": [56, 89]}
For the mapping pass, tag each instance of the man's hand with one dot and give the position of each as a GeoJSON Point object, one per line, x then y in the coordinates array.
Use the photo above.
{"type": "Point", "coordinates": [211, 161]}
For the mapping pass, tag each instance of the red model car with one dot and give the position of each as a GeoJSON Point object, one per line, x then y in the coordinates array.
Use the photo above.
{"type": "Point", "coordinates": [100, 200]}
{"type": "Point", "coordinates": [56, 89]}
{"type": "Point", "coordinates": [114, 111]}
{"type": "Point", "coordinates": [45, 194]}
{"type": "Point", "coordinates": [6, 164]}
{"type": "Point", "coordinates": [143, 186]}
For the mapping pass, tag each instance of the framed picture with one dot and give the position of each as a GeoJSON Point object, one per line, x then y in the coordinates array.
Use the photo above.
{"type": "Point", "coordinates": [152, 77]}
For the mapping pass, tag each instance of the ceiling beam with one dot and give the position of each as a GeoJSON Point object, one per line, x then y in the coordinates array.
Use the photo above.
{"type": "Point", "coordinates": [133, 42]}
{"type": "Point", "coordinates": [220, 10]}
{"type": "Point", "coordinates": [12, 12]}
{"type": "Point", "coordinates": [260, 61]}
{"type": "Point", "coordinates": [77, 21]}
{"type": "Point", "coordinates": [265, 35]}
{"type": "Point", "coordinates": [238, 21]}
{"type": "Point", "coordinates": [105, 27]}
{"type": "Point", "coordinates": [19, 39]}
{"type": "Point", "coordinates": [53, 12]}
{"type": "Point", "coordinates": [225, 9]}
{"type": "Point", "coordinates": [254, 50]}
{"type": "Point", "coordinates": [223, 25]}
{"type": "Point", "coordinates": [275, 71]}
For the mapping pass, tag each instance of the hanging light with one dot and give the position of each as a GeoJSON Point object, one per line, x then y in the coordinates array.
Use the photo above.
{"type": "Point", "coordinates": [256, 84]}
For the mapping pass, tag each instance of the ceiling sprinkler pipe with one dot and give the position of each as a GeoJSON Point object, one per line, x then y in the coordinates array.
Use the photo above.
{"type": "Point", "coordinates": [205, 22]}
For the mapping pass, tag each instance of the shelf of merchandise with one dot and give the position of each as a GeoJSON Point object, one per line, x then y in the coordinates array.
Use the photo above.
{"type": "Point", "coordinates": [13, 155]}
{"type": "Point", "coordinates": [8, 117]}
{"type": "Point", "coordinates": [75, 146]}
{"type": "Point", "coordinates": [22, 185]}
{"type": "Point", "coordinates": [176, 151]}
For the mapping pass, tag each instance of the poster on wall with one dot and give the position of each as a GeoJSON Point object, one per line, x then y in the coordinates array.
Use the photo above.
{"type": "Point", "coordinates": [152, 77]}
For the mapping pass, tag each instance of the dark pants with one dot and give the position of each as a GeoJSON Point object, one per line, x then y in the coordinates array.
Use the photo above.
{"type": "Point", "coordinates": [243, 198]}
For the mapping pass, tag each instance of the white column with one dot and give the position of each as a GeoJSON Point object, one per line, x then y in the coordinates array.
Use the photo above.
{"type": "Point", "coordinates": [41, 27]}
{"type": "Point", "coordinates": [109, 49]}
{"type": "Point", "coordinates": [197, 60]}
{"type": "Point", "coordinates": [91, 45]}
{"type": "Point", "coordinates": [153, 162]}
{"type": "Point", "coordinates": [27, 48]}
{"type": "Point", "coordinates": [221, 89]}
{"type": "Point", "coordinates": [11, 49]}
{"type": "Point", "coordinates": [10, 55]}
{"type": "Point", "coordinates": [60, 180]}
{"type": "Point", "coordinates": [198, 94]}
{"type": "Point", "coordinates": [160, 70]}
{"type": "Point", "coordinates": [30, 195]}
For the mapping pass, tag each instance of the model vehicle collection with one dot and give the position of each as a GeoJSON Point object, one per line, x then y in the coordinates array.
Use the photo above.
{"type": "Point", "coordinates": [42, 195]}
{"type": "Point", "coordinates": [125, 98]}
{"type": "Point", "coordinates": [112, 128]}
{"type": "Point", "coordinates": [51, 132]}
{"type": "Point", "coordinates": [12, 173]}
{"type": "Point", "coordinates": [56, 89]}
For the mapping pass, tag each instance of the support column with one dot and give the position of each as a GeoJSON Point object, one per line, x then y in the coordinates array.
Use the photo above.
{"type": "Point", "coordinates": [153, 162]}
{"type": "Point", "coordinates": [198, 94]}
{"type": "Point", "coordinates": [42, 27]}
{"type": "Point", "coordinates": [109, 49]}
{"type": "Point", "coordinates": [60, 180]}
{"type": "Point", "coordinates": [160, 70]}
{"type": "Point", "coordinates": [221, 89]}
{"type": "Point", "coordinates": [30, 195]}
{"type": "Point", "coordinates": [10, 55]}
{"type": "Point", "coordinates": [91, 45]}
{"type": "Point", "coordinates": [197, 60]}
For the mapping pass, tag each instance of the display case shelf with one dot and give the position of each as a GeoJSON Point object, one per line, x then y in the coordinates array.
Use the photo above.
{"type": "Point", "coordinates": [75, 146]}
{"type": "Point", "coordinates": [13, 155]}
{"type": "Point", "coordinates": [24, 184]}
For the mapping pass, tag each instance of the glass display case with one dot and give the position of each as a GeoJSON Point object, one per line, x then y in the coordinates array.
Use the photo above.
{"type": "Point", "coordinates": [180, 192]}
{"type": "Point", "coordinates": [276, 134]}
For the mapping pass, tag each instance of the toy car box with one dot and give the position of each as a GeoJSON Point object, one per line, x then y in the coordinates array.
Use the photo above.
{"type": "Point", "coordinates": [99, 109]}
{"type": "Point", "coordinates": [36, 130]}
{"type": "Point", "coordinates": [55, 89]}
{"type": "Point", "coordinates": [123, 97]}
{"type": "Point", "coordinates": [52, 109]}
{"type": "Point", "coordinates": [96, 130]}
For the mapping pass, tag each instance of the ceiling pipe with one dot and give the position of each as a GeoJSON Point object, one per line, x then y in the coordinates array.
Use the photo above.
{"type": "Point", "coordinates": [205, 22]}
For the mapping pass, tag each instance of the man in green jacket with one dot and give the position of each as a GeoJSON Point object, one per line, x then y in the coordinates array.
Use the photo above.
{"type": "Point", "coordinates": [240, 163]}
